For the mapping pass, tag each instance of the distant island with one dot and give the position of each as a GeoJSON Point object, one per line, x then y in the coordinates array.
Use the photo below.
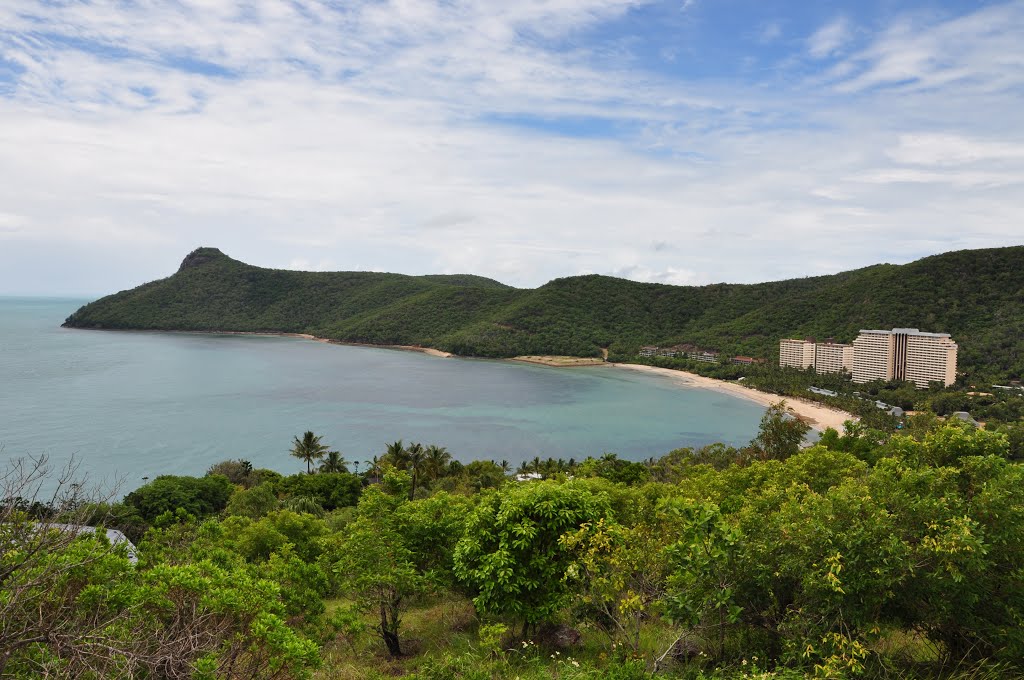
{"type": "Point", "coordinates": [977, 295]}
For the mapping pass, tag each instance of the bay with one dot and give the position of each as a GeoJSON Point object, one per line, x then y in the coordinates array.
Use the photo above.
{"type": "Point", "coordinates": [129, 405]}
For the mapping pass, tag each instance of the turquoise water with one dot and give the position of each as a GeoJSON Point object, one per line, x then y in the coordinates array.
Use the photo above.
{"type": "Point", "coordinates": [133, 404]}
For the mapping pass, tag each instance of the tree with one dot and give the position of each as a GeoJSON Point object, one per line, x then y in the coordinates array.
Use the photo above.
{"type": "Point", "coordinates": [309, 448]}
{"type": "Point", "coordinates": [614, 469]}
{"type": "Point", "coordinates": [332, 490]}
{"type": "Point", "coordinates": [510, 554]}
{"type": "Point", "coordinates": [334, 462]}
{"type": "Point", "coordinates": [620, 572]}
{"type": "Point", "coordinates": [780, 434]}
{"type": "Point", "coordinates": [376, 566]}
{"type": "Point", "coordinates": [417, 458]}
{"type": "Point", "coordinates": [73, 605]}
{"type": "Point", "coordinates": [431, 528]}
{"type": "Point", "coordinates": [198, 496]}
{"type": "Point", "coordinates": [252, 503]}
{"type": "Point", "coordinates": [438, 458]}
{"type": "Point", "coordinates": [397, 455]}
{"type": "Point", "coordinates": [237, 471]}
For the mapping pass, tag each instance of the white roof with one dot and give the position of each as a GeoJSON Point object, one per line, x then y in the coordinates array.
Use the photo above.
{"type": "Point", "coordinates": [908, 331]}
{"type": "Point", "coordinates": [113, 535]}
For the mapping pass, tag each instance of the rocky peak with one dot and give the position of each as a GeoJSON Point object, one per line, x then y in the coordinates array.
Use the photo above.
{"type": "Point", "coordinates": [200, 256]}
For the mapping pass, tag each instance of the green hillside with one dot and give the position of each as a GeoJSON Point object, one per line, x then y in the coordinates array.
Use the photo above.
{"type": "Point", "coordinates": [976, 295]}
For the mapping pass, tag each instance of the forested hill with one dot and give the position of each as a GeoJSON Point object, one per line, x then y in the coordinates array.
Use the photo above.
{"type": "Point", "coordinates": [976, 295]}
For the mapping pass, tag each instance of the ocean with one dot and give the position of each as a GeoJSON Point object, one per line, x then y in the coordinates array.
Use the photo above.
{"type": "Point", "coordinates": [125, 406]}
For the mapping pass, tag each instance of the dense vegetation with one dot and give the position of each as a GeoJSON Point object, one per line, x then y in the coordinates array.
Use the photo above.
{"type": "Point", "coordinates": [871, 554]}
{"type": "Point", "coordinates": [976, 295]}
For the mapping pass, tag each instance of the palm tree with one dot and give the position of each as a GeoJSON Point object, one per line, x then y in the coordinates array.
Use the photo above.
{"type": "Point", "coordinates": [334, 462]}
{"type": "Point", "coordinates": [437, 460]}
{"type": "Point", "coordinates": [397, 455]}
{"type": "Point", "coordinates": [417, 457]}
{"type": "Point", "coordinates": [309, 449]}
{"type": "Point", "coordinates": [506, 467]}
{"type": "Point", "coordinates": [374, 469]}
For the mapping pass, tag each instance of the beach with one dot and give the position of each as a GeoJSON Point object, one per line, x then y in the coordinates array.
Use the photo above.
{"type": "Point", "coordinates": [274, 334]}
{"type": "Point", "coordinates": [560, 361]}
{"type": "Point", "coordinates": [816, 415]}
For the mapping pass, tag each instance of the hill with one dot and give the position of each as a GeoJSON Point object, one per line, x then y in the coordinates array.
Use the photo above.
{"type": "Point", "coordinates": [976, 295]}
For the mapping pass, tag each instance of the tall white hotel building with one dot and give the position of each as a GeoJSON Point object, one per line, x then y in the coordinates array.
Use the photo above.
{"type": "Point", "coordinates": [904, 354]}
{"type": "Point", "coordinates": [899, 354]}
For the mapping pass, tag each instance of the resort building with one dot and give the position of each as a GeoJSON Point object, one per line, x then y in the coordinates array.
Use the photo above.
{"type": "Point", "coordinates": [823, 357]}
{"type": "Point", "coordinates": [796, 353]}
{"type": "Point", "coordinates": [706, 357]}
{"type": "Point", "coordinates": [831, 357]}
{"type": "Point", "coordinates": [904, 354]}
{"type": "Point", "coordinates": [684, 351]}
{"type": "Point", "coordinates": [929, 357]}
{"type": "Point", "coordinates": [872, 356]}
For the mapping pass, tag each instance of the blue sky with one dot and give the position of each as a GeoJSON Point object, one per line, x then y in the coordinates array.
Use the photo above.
{"type": "Point", "coordinates": [685, 142]}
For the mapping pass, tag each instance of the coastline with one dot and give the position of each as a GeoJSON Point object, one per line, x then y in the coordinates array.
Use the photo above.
{"type": "Point", "coordinates": [559, 361]}
{"type": "Point", "coordinates": [279, 334]}
{"type": "Point", "coordinates": [818, 416]}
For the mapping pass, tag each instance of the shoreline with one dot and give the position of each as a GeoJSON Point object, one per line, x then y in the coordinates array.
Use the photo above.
{"type": "Point", "coordinates": [278, 334]}
{"type": "Point", "coordinates": [818, 416]}
{"type": "Point", "coordinates": [558, 361]}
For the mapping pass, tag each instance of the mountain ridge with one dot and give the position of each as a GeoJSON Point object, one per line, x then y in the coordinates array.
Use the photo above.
{"type": "Point", "coordinates": [976, 295]}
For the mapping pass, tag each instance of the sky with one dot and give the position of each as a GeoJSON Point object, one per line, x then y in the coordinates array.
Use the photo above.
{"type": "Point", "coordinates": [683, 142]}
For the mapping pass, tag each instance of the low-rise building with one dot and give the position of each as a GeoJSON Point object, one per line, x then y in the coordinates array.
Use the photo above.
{"type": "Point", "coordinates": [705, 356]}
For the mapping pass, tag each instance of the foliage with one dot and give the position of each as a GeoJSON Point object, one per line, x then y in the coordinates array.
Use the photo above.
{"type": "Point", "coordinates": [333, 462]}
{"type": "Point", "coordinates": [511, 554]}
{"type": "Point", "coordinates": [238, 472]}
{"type": "Point", "coordinates": [780, 434]}
{"type": "Point", "coordinates": [331, 490]}
{"type": "Point", "coordinates": [620, 573]}
{"type": "Point", "coordinates": [377, 568]}
{"type": "Point", "coordinates": [73, 605]}
{"type": "Point", "coordinates": [252, 503]}
{"type": "Point", "coordinates": [309, 449]}
{"type": "Point", "coordinates": [615, 469]}
{"type": "Point", "coordinates": [869, 554]}
{"type": "Point", "coordinates": [199, 497]}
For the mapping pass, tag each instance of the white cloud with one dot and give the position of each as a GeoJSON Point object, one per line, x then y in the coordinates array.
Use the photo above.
{"type": "Point", "coordinates": [828, 39]}
{"type": "Point", "coordinates": [950, 149]}
{"type": "Point", "coordinates": [978, 52]}
{"type": "Point", "coordinates": [382, 136]}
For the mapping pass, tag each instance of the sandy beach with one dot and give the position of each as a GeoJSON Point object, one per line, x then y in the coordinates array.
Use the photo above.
{"type": "Point", "coordinates": [816, 415]}
{"type": "Point", "coordinates": [273, 334]}
{"type": "Point", "coordinates": [560, 361]}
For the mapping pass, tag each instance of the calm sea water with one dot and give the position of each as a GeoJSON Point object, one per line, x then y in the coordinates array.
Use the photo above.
{"type": "Point", "coordinates": [129, 404]}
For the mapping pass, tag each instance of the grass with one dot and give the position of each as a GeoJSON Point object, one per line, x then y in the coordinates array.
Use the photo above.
{"type": "Point", "coordinates": [441, 640]}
